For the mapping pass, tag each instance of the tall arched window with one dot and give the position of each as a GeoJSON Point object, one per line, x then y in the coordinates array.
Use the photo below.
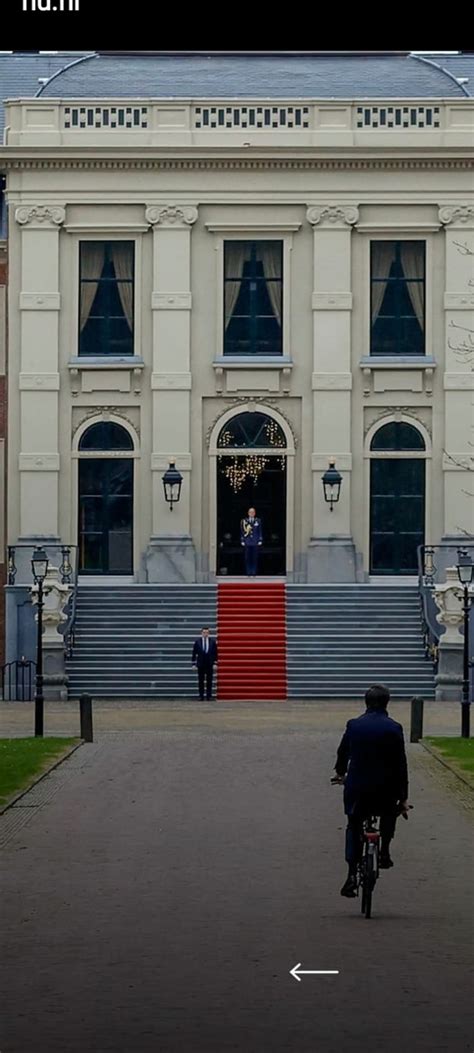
{"type": "Point", "coordinates": [397, 498]}
{"type": "Point", "coordinates": [106, 500]}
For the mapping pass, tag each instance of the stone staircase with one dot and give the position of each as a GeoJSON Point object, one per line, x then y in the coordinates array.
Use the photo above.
{"type": "Point", "coordinates": [135, 641]}
{"type": "Point", "coordinates": [342, 638]}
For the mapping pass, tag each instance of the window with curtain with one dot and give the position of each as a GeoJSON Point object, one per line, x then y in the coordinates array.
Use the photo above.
{"type": "Point", "coordinates": [253, 297]}
{"type": "Point", "coordinates": [397, 280]}
{"type": "Point", "coordinates": [106, 297]}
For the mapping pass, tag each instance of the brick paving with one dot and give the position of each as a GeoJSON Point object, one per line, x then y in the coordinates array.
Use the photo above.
{"type": "Point", "coordinates": [157, 888]}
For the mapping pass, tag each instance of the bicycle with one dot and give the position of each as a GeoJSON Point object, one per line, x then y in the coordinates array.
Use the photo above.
{"type": "Point", "coordinates": [368, 866]}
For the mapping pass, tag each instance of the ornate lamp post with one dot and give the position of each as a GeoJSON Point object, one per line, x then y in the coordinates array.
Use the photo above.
{"type": "Point", "coordinates": [172, 481]}
{"type": "Point", "coordinates": [465, 569]}
{"type": "Point", "coordinates": [39, 566]}
{"type": "Point", "coordinates": [331, 484]}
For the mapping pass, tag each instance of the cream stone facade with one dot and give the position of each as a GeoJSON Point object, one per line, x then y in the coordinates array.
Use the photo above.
{"type": "Point", "coordinates": [326, 189]}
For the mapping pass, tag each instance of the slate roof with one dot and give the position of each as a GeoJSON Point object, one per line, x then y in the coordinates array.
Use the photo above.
{"type": "Point", "coordinates": [253, 75]}
{"type": "Point", "coordinates": [19, 75]}
{"type": "Point", "coordinates": [459, 66]}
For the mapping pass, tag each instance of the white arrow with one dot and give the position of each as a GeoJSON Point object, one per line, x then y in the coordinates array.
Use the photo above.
{"type": "Point", "coordinates": [297, 972]}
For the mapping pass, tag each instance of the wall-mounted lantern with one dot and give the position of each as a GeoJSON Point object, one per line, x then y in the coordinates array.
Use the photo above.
{"type": "Point", "coordinates": [172, 480]}
{"type": "Point", "coordinates": [332, 484]}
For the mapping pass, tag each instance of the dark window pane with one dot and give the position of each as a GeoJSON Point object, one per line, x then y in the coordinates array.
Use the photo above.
{"type": "Point", "coordinates": [106, 515]}
{"type": "Point", "coordinates": [397, 514]}
{"type": "Point", "coordinates": [105, 436]}
{"type": "Point", "coordinates": [253, 300]}
{"type": "Point", "coordinates": [251, 429]}
{"type": "Point", "coordinates": [106, 301]}
{"type": "Point", "coordinates": [397, 436]}
{"type": "Point", "coordinates": [91, 513]}
{"type": "Point", "coordinates": [397, 297]}
{"type": "Point", "coordinates": [92, 553]}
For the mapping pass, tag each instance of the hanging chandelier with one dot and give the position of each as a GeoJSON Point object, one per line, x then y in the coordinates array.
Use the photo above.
{"type": "Point", "coordinates": [242, 468]}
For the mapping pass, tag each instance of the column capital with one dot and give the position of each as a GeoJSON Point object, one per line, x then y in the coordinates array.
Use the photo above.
{"type": "Point", "coordinates": [332, 215]}
{"type": "Point", "coordinates": [457, 215]}
{"type": "Point", "coordinates": [37, 216]}
{"type": "Point", "coordinates": [171, 215]}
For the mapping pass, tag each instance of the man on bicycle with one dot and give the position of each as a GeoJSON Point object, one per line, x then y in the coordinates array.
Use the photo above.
{"type": "Point", "coordinates": [371, 760]}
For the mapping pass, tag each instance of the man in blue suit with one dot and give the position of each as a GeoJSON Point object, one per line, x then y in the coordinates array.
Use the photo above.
{"type": "Point", "coordinates": [372, 761]}
{"type": "Point", "coordinates": [251, 539]}
{"type": "Point", "coordinates": [204, 657]}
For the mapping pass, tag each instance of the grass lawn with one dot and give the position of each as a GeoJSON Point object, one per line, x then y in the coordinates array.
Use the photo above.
{"type": "Point", "coordinates": [458, 752]}
{"type": "Point", "coordinates": [22, 760]}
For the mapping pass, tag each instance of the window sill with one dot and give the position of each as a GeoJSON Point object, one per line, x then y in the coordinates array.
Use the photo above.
{"type": "Point", "coordinates": [102, 361]}
{"type": "Point", "coordinates": [402, 361]}
{"type": "Point", "coordinates": [252, 361]}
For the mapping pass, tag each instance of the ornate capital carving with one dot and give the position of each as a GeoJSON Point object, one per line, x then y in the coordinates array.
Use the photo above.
{"type": "Point", "coordinates": [457, 215]}
{"type": "Point", "coordinates": [332, 215]}
{"type": "Point", "coordinates": [40, 215]}
{"type": "Point", "coordinates": [171, 215]}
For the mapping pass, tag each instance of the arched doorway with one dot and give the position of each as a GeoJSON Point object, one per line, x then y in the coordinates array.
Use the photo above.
{"type": "Point", "coordinates": [251, 471]}
{"type": "Point", "coordinates": [105, 528]}
{"type": "Point", "coordinates": [397, 498]}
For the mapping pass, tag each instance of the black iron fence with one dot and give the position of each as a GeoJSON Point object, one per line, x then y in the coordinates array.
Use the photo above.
{"type": "Point", "coordinates": [18, 681]}
{"type": "Point", "coordinates": [65, 558]}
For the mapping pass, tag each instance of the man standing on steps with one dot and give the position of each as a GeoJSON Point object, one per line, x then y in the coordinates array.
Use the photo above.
{"type": "Point", "coordinates": [205, 657]}
{"type": "Point", "coordinates": [251, 539]}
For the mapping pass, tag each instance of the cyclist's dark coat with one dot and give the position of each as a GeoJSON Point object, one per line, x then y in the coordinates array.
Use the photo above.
{"type": "Point", "coordinates": [372, 752]}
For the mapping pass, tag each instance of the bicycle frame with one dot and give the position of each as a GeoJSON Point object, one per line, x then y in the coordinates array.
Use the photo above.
{"type": "Point", "coordinates": [368, 869]}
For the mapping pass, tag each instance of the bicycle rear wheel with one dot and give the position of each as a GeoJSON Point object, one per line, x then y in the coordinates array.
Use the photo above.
{"type": "Point", "coordinates": [369, 883]}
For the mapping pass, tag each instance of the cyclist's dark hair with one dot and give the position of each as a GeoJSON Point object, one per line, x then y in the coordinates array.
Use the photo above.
{"type": "Point", "coordinates": [377, 697]}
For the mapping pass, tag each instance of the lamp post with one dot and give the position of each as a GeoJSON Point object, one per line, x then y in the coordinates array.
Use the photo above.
{"type": "Point", "coordinates": [331, 480]}
{"type": "Point", "coordinates": [172, 480]}
{"type": "Point", "coordinates": [465, 569]}
{"type": "Point", "coordinates": [39, 566]}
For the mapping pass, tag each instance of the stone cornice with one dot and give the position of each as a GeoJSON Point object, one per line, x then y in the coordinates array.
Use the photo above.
{"type": "Point", "coordinates": [237, 164]}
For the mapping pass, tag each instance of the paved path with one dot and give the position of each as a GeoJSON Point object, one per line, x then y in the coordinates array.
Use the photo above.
{"type": "Point", "coordinates": [158, 887]}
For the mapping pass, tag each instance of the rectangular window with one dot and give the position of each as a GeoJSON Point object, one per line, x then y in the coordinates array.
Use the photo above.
{"type": "Point", "coordinates": [397, 297]}
{"type": "Point", "coordinates": [106, 297]}
{"type": "Point", "coordinates": [253, 297]}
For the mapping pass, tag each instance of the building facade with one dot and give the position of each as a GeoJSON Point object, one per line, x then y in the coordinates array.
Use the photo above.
{"type": "Point", "coordinates": [248, 288]}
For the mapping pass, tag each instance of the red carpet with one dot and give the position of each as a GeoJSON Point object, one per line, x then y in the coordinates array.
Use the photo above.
{"type": "Point", "coordinates": [251, 624]}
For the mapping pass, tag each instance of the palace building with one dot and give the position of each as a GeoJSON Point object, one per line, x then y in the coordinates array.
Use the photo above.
{"type": "Point", "coordinates": [253, 266]}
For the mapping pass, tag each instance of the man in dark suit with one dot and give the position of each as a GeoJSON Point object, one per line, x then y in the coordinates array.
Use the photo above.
{"type": "Point", "coordinates": [205, 658]}
{"type": "Point", "coordinates": [251, 539]}
{"type": "Point", "coordinates": [371, 760]}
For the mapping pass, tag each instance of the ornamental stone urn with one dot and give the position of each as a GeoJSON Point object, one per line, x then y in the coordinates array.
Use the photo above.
{"type": "Point", "coordinates": [448, 599]}
{"type": "Point", "coordinates": [56, 597]}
